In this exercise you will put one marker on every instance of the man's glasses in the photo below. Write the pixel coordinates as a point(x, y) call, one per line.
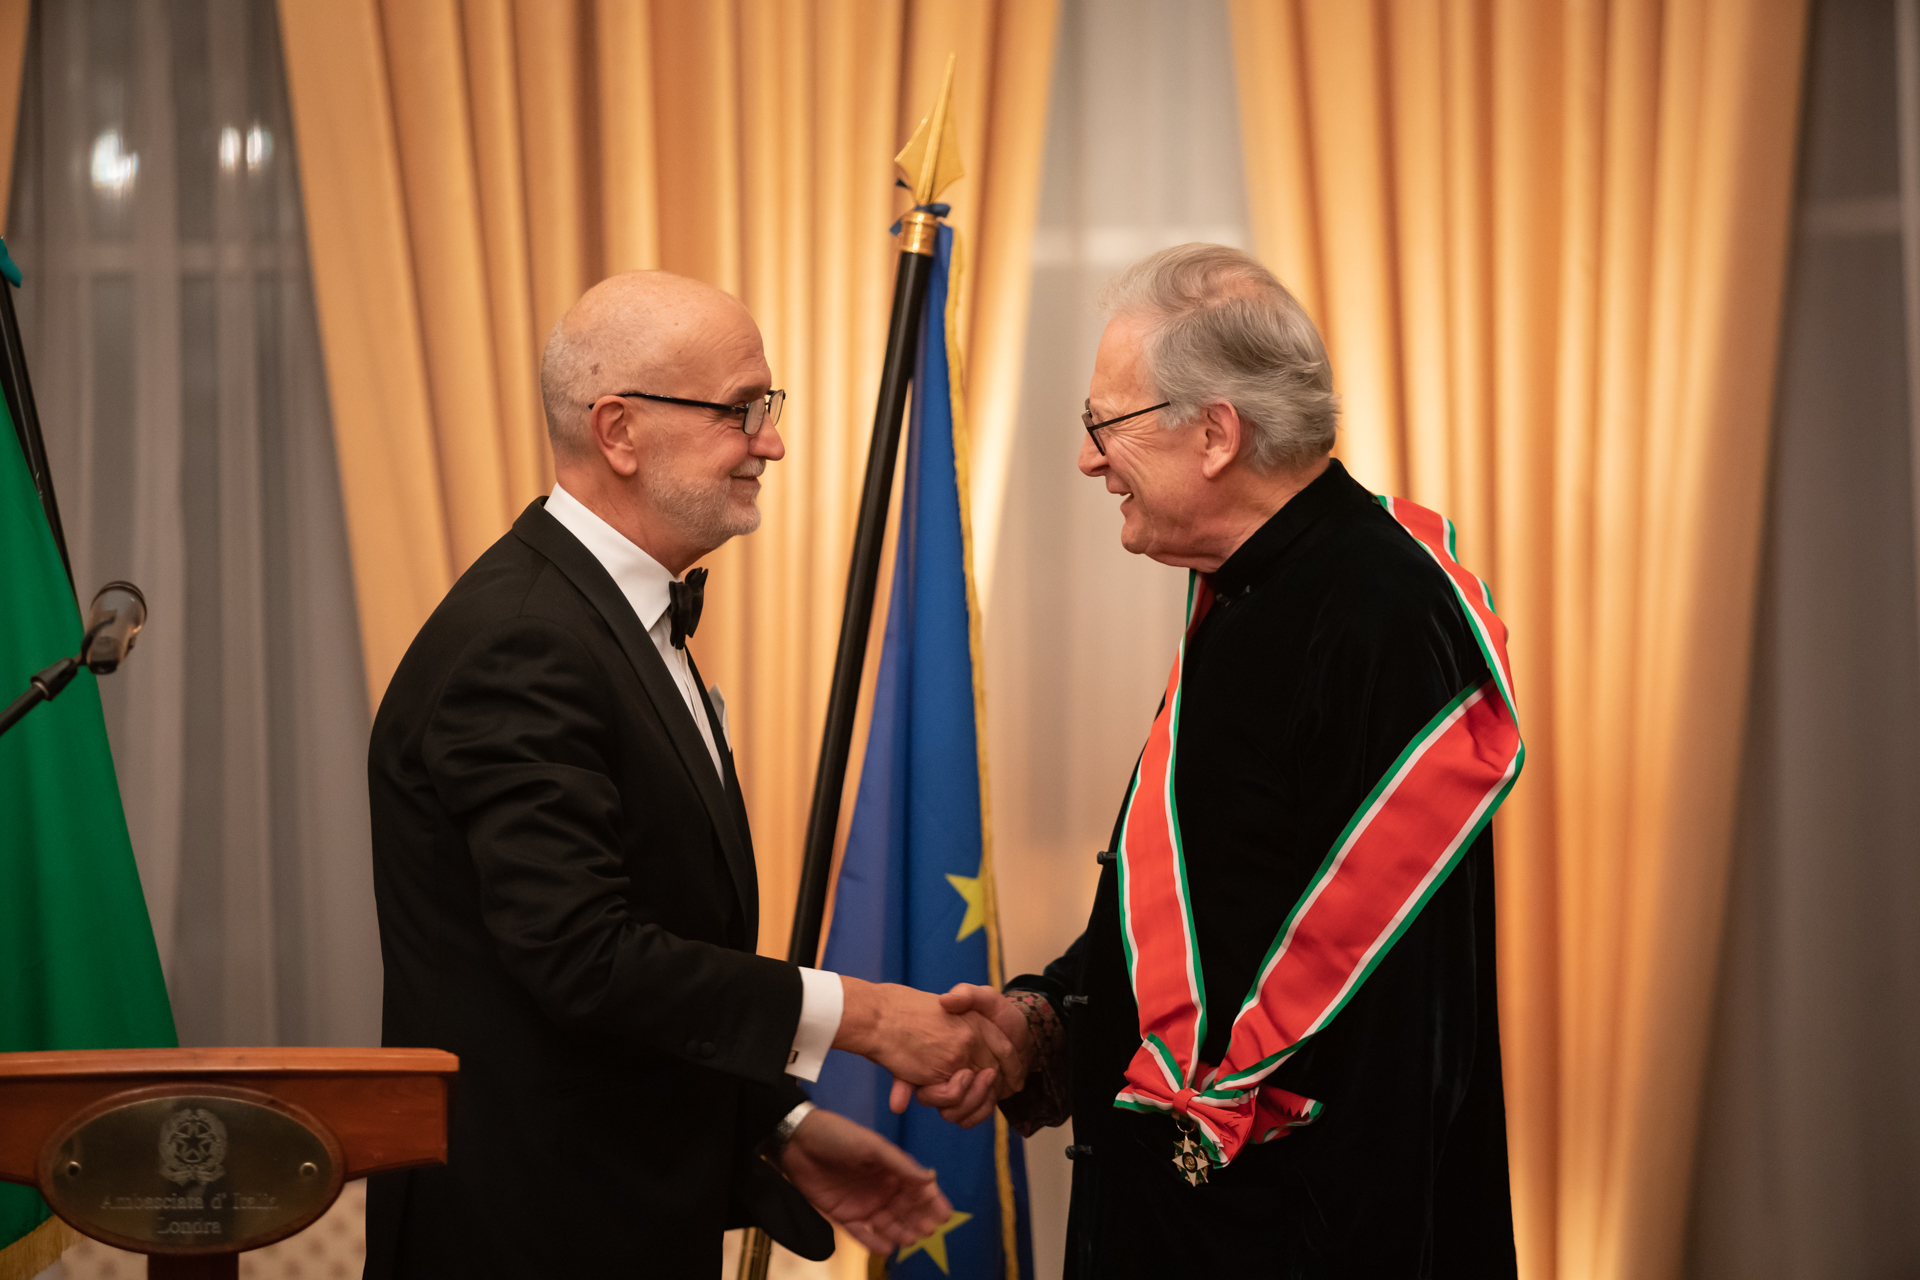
point(1093, 428)
point(753, 415)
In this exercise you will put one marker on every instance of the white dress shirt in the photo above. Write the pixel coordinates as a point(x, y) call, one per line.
point(643, 581)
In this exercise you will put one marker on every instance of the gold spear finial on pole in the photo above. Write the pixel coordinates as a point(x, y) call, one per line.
point(928, 169)
point(930, 163)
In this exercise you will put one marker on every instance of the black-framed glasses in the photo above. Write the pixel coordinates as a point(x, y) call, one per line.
point(754, 414)
point(1086, 420)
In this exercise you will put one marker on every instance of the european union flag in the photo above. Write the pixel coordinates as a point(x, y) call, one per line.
point(915, 897)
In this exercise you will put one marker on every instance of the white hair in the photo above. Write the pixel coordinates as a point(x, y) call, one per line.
point(1222, 327)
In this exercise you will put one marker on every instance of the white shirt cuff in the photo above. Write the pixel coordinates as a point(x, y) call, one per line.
point(822, 1000)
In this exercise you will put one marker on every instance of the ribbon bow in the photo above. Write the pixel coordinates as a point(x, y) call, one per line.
point(684, 601)
point(1225, 1119)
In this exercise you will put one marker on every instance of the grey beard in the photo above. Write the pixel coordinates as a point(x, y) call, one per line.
point(701, 511)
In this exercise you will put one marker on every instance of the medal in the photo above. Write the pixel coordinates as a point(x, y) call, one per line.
point(1188, 1159)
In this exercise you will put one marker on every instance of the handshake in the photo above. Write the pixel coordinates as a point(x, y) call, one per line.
point(960, 1053)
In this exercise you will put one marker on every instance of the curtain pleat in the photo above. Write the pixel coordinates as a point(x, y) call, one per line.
point(370, 322)
point(474, 165)
point(1000, 243)
point(431, 127)
point(1546, 243)
point(13, 59)
point(502, 210)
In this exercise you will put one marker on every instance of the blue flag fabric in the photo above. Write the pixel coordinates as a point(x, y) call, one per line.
point(914, 904)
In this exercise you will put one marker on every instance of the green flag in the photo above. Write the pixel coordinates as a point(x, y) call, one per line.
point(78, 968)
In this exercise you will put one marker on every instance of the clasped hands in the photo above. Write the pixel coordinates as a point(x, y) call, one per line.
point(959, 1053)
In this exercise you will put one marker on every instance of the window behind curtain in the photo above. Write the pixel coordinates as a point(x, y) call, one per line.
point(1809, 1158)
point(170, 330)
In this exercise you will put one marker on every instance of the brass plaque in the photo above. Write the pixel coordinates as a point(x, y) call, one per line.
point(191, 1169)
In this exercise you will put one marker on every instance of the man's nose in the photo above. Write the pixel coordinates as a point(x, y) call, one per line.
point(766, 443)
point(1092, 461)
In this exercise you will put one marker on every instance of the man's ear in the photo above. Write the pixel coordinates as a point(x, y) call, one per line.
point(1224, 431)
point(613, 424)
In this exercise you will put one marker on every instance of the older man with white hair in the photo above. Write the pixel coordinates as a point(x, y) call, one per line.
point(1277, 1038)
point(564, 870)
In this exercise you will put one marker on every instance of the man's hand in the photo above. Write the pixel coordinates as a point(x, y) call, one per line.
point(878, 1192)
point(966, 1098)
point(921, 1041)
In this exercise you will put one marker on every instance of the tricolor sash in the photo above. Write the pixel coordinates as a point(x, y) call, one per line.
point(1397, 849)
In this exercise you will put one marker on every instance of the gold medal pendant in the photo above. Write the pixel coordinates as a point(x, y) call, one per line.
point(1189, 1159)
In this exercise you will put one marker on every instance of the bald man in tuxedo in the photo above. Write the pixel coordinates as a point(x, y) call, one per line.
point(564, 868)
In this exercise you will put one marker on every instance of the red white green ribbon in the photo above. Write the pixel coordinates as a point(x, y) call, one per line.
point(1398, 848)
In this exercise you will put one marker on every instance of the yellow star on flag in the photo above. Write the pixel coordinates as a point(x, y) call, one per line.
point(969, 887)
point(936, 1244)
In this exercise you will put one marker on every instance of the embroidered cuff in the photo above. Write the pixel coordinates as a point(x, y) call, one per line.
point(1046, 1100)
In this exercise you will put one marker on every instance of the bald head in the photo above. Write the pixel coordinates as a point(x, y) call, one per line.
point(640, 331)
point(672, 468)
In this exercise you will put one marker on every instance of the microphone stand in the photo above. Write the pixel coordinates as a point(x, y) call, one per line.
point(44, 687)
point(118, 624)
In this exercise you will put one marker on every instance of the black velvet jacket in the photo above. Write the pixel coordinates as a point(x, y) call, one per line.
point(567, 900)
point(1332, 642)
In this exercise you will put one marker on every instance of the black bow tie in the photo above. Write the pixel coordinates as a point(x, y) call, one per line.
point(685, 599)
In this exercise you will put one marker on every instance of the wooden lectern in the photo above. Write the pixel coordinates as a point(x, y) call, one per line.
point(193, 1156)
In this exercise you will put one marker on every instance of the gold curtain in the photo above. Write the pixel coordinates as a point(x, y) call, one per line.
point(1546, 242)
point(470, 167)
point(14, 16)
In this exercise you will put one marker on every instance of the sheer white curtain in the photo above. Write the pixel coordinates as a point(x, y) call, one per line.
point(1809, 1162)
point(170, 332)
point(1143, 151)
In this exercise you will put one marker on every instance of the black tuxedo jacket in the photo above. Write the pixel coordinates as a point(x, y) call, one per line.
point(568, 902)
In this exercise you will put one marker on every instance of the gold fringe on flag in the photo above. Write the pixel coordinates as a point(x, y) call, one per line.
point(37, 1250)
point(962, 463)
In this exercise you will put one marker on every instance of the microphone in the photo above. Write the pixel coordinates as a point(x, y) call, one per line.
point(113, 623)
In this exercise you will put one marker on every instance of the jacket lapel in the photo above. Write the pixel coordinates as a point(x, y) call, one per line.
point(744, 873)
point(547, 536)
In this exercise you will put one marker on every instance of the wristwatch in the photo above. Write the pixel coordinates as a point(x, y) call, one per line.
point(783, 1132)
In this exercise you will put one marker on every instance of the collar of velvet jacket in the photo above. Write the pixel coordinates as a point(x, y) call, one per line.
point(552, 539)
point(1252, 559)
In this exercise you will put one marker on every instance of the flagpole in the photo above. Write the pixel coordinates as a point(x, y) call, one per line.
point(931, 161)
point(20, 406)
point(863, 578)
